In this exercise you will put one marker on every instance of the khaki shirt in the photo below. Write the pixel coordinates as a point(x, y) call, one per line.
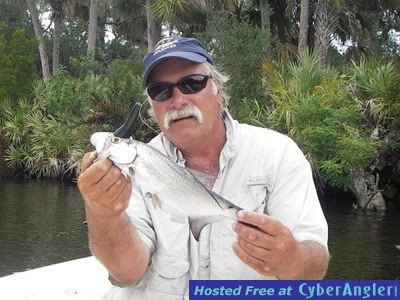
point(260, 170)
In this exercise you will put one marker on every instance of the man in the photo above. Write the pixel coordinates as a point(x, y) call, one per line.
point(280, 234)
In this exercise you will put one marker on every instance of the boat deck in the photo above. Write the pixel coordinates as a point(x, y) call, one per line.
point(80, 279)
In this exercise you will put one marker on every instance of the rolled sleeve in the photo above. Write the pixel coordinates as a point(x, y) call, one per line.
point(140, 217)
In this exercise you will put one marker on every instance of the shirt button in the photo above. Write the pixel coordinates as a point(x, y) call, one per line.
point(205, 265)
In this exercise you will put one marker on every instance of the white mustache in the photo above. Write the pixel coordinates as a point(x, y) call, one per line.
point(191, 111)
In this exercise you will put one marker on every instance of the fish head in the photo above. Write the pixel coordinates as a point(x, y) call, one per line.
point(101, 141)
point(122, 151)
point(119, 150)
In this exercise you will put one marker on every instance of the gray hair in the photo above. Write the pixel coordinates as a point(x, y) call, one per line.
point(218, 79)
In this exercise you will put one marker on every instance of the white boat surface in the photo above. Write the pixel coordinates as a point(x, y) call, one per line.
point(79, 279)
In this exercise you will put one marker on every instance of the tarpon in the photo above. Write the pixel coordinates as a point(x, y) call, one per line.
point(171, 185)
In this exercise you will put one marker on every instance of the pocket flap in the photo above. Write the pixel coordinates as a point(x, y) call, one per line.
point(169, 265)
point(259, 180)
point(259, 187)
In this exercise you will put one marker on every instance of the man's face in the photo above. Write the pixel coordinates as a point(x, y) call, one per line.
point(181, 131)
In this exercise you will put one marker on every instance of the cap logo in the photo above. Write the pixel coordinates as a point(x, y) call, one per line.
point(165, 44)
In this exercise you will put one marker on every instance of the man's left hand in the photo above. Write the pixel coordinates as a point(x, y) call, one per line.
point(267, 246)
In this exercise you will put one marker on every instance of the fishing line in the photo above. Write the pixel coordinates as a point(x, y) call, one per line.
point(145, 122)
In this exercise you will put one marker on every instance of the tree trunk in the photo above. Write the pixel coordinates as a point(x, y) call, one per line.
point(326, 23)
point(56, 40)
point(92, 28)
point(265, 10)
point(365, 188)
point(102, 28)
point(44, 59)
point(153, 28)
point(303, 32)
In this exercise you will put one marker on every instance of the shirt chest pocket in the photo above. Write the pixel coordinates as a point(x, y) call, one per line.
point(167, 274)
point(258, 188)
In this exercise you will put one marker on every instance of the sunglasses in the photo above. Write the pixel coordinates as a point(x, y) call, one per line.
point(191, 84)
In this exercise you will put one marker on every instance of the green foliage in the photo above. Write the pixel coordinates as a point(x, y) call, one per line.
point(14, 117)
point(129, 21)
point(73, 52)
point(254, 113)
point(118, 49)
point(105, 98)
point(73, 41)
point(172, 11)
point(186, 16)
point(39, 144)
point(81, 66)
point(311, 104)
point(13, 14)
point(236, 48)
point(60, 94)
point(17, 63)
point(48, 135)
point(376, 86)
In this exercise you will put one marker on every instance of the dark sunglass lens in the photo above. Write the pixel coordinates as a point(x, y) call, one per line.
point(160, 92)
point(188, 85)
point(193, 84)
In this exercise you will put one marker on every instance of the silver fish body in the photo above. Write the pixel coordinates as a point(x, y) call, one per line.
point(171, 187)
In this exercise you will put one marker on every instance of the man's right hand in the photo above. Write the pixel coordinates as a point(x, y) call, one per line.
point(112, 237)
point(104, 188)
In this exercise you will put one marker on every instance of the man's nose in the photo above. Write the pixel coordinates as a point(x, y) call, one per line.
point(178, 99)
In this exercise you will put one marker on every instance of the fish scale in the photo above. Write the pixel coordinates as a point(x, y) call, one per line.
point(172, 185)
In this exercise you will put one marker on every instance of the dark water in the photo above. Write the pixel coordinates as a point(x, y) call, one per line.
point(41, 223)
point(362, 244)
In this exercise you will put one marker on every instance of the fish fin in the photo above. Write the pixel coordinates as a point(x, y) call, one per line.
point(156, 201)
point(222, 202)
point(131, 171)
point(197, 224)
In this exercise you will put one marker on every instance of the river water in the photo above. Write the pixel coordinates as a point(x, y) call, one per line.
point(42, 222)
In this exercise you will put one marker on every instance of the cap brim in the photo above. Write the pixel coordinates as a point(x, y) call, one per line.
point(190, 56)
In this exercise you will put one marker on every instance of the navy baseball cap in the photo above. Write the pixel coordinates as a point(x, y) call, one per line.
point(175, 47)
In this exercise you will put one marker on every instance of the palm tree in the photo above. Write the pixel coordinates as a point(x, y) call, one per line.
point(153, 27)
point(303, 28)
point(266, 11)
point(33, 11)
point(183, 15)
point(92, 28)
point(367, 23)
point(57, 7)
point(326, 24)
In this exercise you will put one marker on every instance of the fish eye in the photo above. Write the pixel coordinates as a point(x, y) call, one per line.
point(115, 140)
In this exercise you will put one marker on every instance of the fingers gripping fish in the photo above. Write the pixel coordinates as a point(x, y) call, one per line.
point(174, 186)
